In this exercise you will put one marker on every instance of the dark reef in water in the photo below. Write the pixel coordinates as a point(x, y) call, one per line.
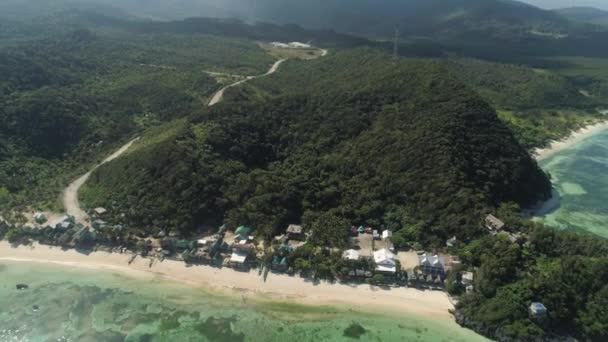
point(355, 330)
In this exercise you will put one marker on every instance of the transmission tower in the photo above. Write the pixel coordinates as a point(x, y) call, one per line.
point(396, 43)
point(253, 11)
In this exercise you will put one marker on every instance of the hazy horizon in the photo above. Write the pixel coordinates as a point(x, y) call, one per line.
point(554, 4)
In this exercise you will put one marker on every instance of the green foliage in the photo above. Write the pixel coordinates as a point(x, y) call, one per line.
point(564, 271)
point(329, 229)
point(453, 285)
point(13, 235)
point(515, 87)
point(538, 127)
point(64, 99)
point(353, 134)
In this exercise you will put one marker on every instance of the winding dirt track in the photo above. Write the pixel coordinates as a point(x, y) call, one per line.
point(70, 194)
point(219, 95)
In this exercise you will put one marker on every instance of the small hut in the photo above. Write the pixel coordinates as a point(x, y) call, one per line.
point(294, 232)
point(538, 311)
point(494, 224)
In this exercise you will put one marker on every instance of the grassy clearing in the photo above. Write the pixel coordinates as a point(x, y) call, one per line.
point(291, 53)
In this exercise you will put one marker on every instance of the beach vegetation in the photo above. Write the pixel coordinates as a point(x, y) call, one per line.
point(13, 235)
point(548, 267)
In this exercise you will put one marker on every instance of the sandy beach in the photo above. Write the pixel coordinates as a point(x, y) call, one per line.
point(575, 137)
point(430, 304)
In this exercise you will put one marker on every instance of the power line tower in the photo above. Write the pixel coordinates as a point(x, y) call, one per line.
point(253, 11)
point(396, 43)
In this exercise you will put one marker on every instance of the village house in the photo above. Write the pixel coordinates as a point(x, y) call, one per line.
point(451, 242)
point(279, 45)
point(298, 45)
point(538, 311)
point(242, 233)
point(66, 222)
point(387, 234)
point(351, 254)
point(99, 224)
point(385, 261)
point(295, 232)
point(100, 211)
point(494, 224)
point(40, 218)
point(467, 278)
point(281, 238)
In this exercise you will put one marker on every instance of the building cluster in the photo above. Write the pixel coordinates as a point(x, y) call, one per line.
point(373, 255)
point(292, 45)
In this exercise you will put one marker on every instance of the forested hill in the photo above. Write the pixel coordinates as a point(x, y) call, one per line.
point(352, 138)
point(585, 14)
point(411, 17)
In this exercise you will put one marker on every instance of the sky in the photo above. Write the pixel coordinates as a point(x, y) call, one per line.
point(602, 4)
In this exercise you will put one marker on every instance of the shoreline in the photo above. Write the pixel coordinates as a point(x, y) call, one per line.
point(577, 136)
point(365, 298)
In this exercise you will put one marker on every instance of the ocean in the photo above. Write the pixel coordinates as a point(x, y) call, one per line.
point(73, 304)
point(580, 178)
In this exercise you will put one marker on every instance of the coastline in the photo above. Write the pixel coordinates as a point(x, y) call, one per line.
point(576, 137)
point(366, 298)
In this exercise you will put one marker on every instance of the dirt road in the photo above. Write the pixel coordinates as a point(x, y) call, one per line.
point(219, 95)
point(70, 194)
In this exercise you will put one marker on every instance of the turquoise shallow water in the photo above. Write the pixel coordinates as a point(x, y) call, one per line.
point(580, 177)
point(67, 304)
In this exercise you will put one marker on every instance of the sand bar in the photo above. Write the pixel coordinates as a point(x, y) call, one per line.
point(575, 137)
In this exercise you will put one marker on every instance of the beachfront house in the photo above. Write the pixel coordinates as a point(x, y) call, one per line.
point(279, 264)
point(493, 224)
point(432, 265)
point(240, 253)
point(351, 254)
point(238, 258)
point(538, 311)
point(295, 232)
point(385, 261)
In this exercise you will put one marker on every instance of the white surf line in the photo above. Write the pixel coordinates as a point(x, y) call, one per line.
point(70, 194)
point(219, 95)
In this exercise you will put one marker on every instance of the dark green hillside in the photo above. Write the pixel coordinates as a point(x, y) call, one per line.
point(539, 105)
point(356, 134)
point(510, 86)
point(70, 99)
point(585, 14)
